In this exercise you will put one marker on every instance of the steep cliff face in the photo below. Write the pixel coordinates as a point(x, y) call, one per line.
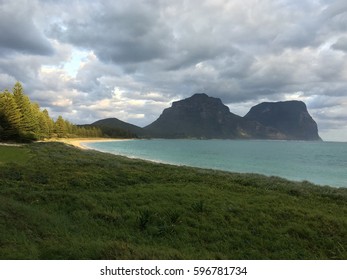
point(290, 118)
point(201, 116)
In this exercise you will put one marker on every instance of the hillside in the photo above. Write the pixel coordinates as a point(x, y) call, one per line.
point(59, 202)
point(114, 127)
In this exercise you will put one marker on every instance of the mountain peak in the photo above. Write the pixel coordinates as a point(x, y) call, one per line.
point(198, 116)
point(202, 101)
point(199, 95)
point(289, 117)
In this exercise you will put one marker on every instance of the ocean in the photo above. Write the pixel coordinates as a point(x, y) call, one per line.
point(322, 163)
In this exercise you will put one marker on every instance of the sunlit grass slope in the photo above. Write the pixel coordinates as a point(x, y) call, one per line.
point(65, 203)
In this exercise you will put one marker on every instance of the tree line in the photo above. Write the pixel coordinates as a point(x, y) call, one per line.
point(23, 120)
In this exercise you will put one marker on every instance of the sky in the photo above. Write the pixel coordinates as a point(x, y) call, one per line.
point(89, 60)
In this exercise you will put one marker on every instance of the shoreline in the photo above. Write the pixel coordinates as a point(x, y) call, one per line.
point(78, 142)
point(81, 143)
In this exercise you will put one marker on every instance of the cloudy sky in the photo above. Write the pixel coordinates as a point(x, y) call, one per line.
point(129, 59)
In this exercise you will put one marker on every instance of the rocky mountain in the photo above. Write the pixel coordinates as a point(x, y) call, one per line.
point(201, 116)
point(204, 117)
point(290, 118)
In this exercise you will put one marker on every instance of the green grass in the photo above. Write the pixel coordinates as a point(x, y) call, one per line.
point(13, 154)
point(72, 204)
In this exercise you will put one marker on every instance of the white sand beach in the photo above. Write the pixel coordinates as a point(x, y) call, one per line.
point(78, 142)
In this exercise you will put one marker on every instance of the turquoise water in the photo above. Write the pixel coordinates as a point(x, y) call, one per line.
point(323, 163)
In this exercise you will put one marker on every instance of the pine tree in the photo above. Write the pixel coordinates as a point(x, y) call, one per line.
point(60, 127)
point(28, 123)
point(49, 124)
point(20, 119)
point(9, 116)
point(36, 113)
point(69, 128)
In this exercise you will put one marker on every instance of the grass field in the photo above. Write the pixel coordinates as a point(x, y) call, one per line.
point(66, 203)
point(14, 154)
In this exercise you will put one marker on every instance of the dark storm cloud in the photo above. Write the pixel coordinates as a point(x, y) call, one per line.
point(22, 68)
point(122, 32)
point(341, 44)
point(18, 31)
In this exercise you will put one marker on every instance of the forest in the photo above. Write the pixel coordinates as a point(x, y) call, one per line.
point(23, 121)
